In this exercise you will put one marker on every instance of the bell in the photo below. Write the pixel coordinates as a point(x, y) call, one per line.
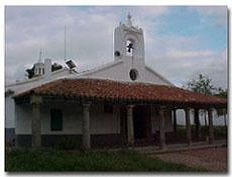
point(129, 47)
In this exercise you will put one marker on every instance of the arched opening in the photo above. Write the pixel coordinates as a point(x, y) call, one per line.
point(129, 47)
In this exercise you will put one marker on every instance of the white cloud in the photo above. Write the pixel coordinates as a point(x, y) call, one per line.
point(177, 53)
point(179, 59)
point(85, 33)
point(216, 69)
point(90, 40)
point(180, 70)
point(30, 28)
point(219, 13)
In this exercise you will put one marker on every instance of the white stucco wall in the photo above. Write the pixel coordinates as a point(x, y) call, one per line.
point(9, 112)
point(23, 86)
point(113, 72)
point(119, 71)
point(100, 122)
point(23, 116)
point(153, 78)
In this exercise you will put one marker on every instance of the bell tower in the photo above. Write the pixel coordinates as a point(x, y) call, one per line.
point(129, 43)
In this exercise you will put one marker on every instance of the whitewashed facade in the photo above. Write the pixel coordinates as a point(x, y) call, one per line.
point(22, 86)
point(101, 122)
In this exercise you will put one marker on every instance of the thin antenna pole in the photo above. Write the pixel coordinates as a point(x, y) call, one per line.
point(40, 55)
point(65, 43)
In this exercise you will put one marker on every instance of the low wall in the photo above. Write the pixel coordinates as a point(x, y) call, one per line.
point(97, 141)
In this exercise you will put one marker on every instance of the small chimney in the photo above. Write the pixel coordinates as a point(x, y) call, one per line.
point(48, 67)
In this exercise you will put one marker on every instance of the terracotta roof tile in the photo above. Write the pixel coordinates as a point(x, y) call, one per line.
point(122, 90)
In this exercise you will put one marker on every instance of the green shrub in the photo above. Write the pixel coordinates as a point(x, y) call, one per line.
point(58, 160)
point(220, 132)
point(69, 143)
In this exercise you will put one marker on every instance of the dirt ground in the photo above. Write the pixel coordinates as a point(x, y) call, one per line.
point(212, 159)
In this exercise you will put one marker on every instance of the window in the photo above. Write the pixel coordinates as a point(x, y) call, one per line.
point(117, 53)
point(56, 120)
point(133, 74)
point(108, 108)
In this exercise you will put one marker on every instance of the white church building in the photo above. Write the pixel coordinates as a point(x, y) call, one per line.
point(121, 103)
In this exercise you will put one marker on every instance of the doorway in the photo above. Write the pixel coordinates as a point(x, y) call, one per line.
point(142, 122)
point(123, 124)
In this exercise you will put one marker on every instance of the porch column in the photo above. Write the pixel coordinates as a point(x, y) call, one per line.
point(211, 131)
point(130, 125)
point(197, 123)
point(86, 127)
point(162, 129)
point(174, 120)
point(188, 126)
point(36, 122)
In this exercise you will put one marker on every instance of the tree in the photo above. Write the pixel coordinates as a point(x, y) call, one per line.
point(221, 93)
point(202, 85)
point(30, 72)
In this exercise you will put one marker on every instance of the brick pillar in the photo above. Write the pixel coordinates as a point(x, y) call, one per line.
point(162, 129)
point(36, 122)
point(188, 126)
point(211, 131)
point(130, 125)
point(86, 127)
point(174, 120)
point(197, 123)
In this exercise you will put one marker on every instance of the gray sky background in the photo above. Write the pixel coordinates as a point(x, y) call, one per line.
point(180, 42)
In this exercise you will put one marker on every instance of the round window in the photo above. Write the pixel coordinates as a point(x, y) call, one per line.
point(133, 74)
point(117, 53)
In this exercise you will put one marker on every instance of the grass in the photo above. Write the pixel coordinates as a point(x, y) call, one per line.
point(54, 160)
point(220, 132)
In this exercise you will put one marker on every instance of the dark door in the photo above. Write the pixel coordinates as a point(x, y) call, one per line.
point(142, 122)
point(123, 124)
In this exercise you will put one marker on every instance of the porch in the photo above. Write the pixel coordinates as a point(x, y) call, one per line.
point(137, 104)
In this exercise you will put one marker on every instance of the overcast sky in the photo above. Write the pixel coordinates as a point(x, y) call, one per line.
point(180, 42)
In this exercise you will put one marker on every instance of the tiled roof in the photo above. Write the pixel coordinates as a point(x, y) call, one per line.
point(115, 90)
